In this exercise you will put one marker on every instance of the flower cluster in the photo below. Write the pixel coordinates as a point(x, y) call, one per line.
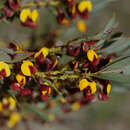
point(12, 9)
point(83, 8)
point(8, 110)
point(41, 77)
point(16, 9)
point(68, 76)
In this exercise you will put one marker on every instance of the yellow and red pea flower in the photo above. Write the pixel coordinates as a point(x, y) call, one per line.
point(4, 70)
point(84, 8)
point(20, 82)
point(104, 92)
point(41, 55)
point(8, 109)
point(88, 87)
point(29, 18)
point(45, 91)
point(21, 79)
point(19, 85)
point(7, 103)
point(71, 9)
point(28, 68)
point(93, 57)
point(14, 46)
point(61, 17)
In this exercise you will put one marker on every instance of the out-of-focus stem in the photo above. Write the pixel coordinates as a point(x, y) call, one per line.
point(35, 4)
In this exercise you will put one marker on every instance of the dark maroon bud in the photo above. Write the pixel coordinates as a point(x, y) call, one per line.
point(24, 92)
point(44, 97)
point(95, 62)
point(85, 65)
point(76, 65)
point(91, 42)
point(8, 12)
point(84, 47)
point(16, 87)
point(73, 51)
point(14, 4)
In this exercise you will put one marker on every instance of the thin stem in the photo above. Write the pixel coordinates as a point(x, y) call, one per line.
point(36, 4)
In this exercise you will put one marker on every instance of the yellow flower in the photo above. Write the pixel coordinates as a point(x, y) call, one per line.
point(5, 67)
point(52, 103)
point(91, 55)
point(65, 21)
point(14, 119)
point(44, 92)
point(63, 100)
point(46, 84)
point(25, 67)
point(21, 78)
point(5, 101)
point(83, 84)
point(35, 15)
point(92, 86)
point(75, 106)
point(12, 103)
point(51, 117)
point(44, 52)
point(110, 60)
point(108, 88)
point(83, 5)
point(81, 26)
point(1, 107)
point(27, 14)
point(47, 90)
point(74, 9)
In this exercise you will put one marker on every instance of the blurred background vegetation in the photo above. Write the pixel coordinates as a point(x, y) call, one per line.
point(108, 115)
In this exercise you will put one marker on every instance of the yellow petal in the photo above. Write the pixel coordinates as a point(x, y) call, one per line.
point(81, 26)
point(25, 67)
point(108, 88)
point(12, 103)
point(75, 106)
point(14, 118)
point(25, 13)
point(1, 107)
point(65, 21)
point(21, 78)
point(91, 54)
point(93, 87)
point(83, 5)
point(74, 9)
point(43, 50)
point(35, 15)
point(51, 117)
point(49, 91)
point(63, 100)
point(5, 66)
point(44, 92)
point(83, 84)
